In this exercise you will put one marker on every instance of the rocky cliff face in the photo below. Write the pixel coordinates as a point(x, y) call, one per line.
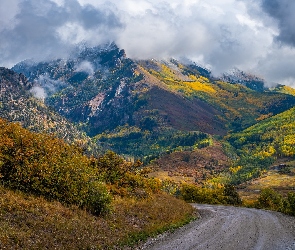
point(101, 89)
point(94, 87)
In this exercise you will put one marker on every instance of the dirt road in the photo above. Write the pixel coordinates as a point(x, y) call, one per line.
point(231, 228)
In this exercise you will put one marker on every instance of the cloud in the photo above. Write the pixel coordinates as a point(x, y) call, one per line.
point(283, 12)
point(44, 86)
point(43, 29)
point(221, 33)
point(276, 59)
point(39, 92)
point(256, 36)
point(86, 67)
point(8, 11)
point(278, 66)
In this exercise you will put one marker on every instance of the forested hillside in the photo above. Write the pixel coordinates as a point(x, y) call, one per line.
point(142, 109)
point(273, 137)
point(236, 105)
point(260, 145)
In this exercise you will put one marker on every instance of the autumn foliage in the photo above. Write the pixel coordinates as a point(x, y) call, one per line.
point(270, 199)
point(220, 194)
point(43, 165)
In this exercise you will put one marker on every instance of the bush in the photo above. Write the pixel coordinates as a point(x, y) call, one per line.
point(270, 199)
point(135, 185)
point(124, 178)
point(190, 193)
point(111, 167)
point(231, 195)
point(98, 199)
point(216, 195)
point(290, 204)
point(43, 165)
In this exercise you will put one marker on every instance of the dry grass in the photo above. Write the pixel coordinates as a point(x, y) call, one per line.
point(282, 183)
point(274, 180)
point(28, 222)
point(165, 175)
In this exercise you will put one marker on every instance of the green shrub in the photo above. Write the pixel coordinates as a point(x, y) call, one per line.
point(215, 195)
point(231, 195)
point(190, 193)
point(111, 167)
point(290, 204)
point(124, 178)
point(270, 199)
point(43, 165)
point(98, 200)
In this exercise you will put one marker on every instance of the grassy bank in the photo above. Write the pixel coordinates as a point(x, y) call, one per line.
point(28, 222)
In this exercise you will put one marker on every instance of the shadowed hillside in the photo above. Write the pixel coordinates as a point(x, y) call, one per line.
point(17, 104)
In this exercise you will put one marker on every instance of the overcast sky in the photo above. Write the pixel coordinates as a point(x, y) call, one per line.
point(253, 35)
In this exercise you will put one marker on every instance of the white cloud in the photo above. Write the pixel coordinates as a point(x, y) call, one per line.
point(85, 66)
point(8, 11)
point(38, 92)
point(278, 66)
point(221, 34)
point(73, 33)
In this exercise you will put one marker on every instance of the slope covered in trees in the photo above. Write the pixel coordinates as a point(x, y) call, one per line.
point(261, 144)
point(43, 165)
point(239, 106)
point(53, 196)
point(274, 136)
point(137, 103)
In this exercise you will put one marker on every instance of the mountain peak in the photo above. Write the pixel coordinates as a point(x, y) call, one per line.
point(236, 76)
point(8, 77)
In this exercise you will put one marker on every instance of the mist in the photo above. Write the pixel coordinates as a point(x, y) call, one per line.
point(254, 36)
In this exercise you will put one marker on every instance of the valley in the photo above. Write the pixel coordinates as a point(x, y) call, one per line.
point(148, 124)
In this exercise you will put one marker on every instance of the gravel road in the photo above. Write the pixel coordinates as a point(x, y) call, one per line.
point(230, 228)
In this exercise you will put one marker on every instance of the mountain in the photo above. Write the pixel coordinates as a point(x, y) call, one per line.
point(17, 104)
point(142, 108)
point(88, 88)
point(237, 105)
point(251, 81)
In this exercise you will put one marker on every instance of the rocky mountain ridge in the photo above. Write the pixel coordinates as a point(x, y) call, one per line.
point(130, 106)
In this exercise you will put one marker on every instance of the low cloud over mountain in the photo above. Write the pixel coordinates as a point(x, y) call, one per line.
point(256, 36)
